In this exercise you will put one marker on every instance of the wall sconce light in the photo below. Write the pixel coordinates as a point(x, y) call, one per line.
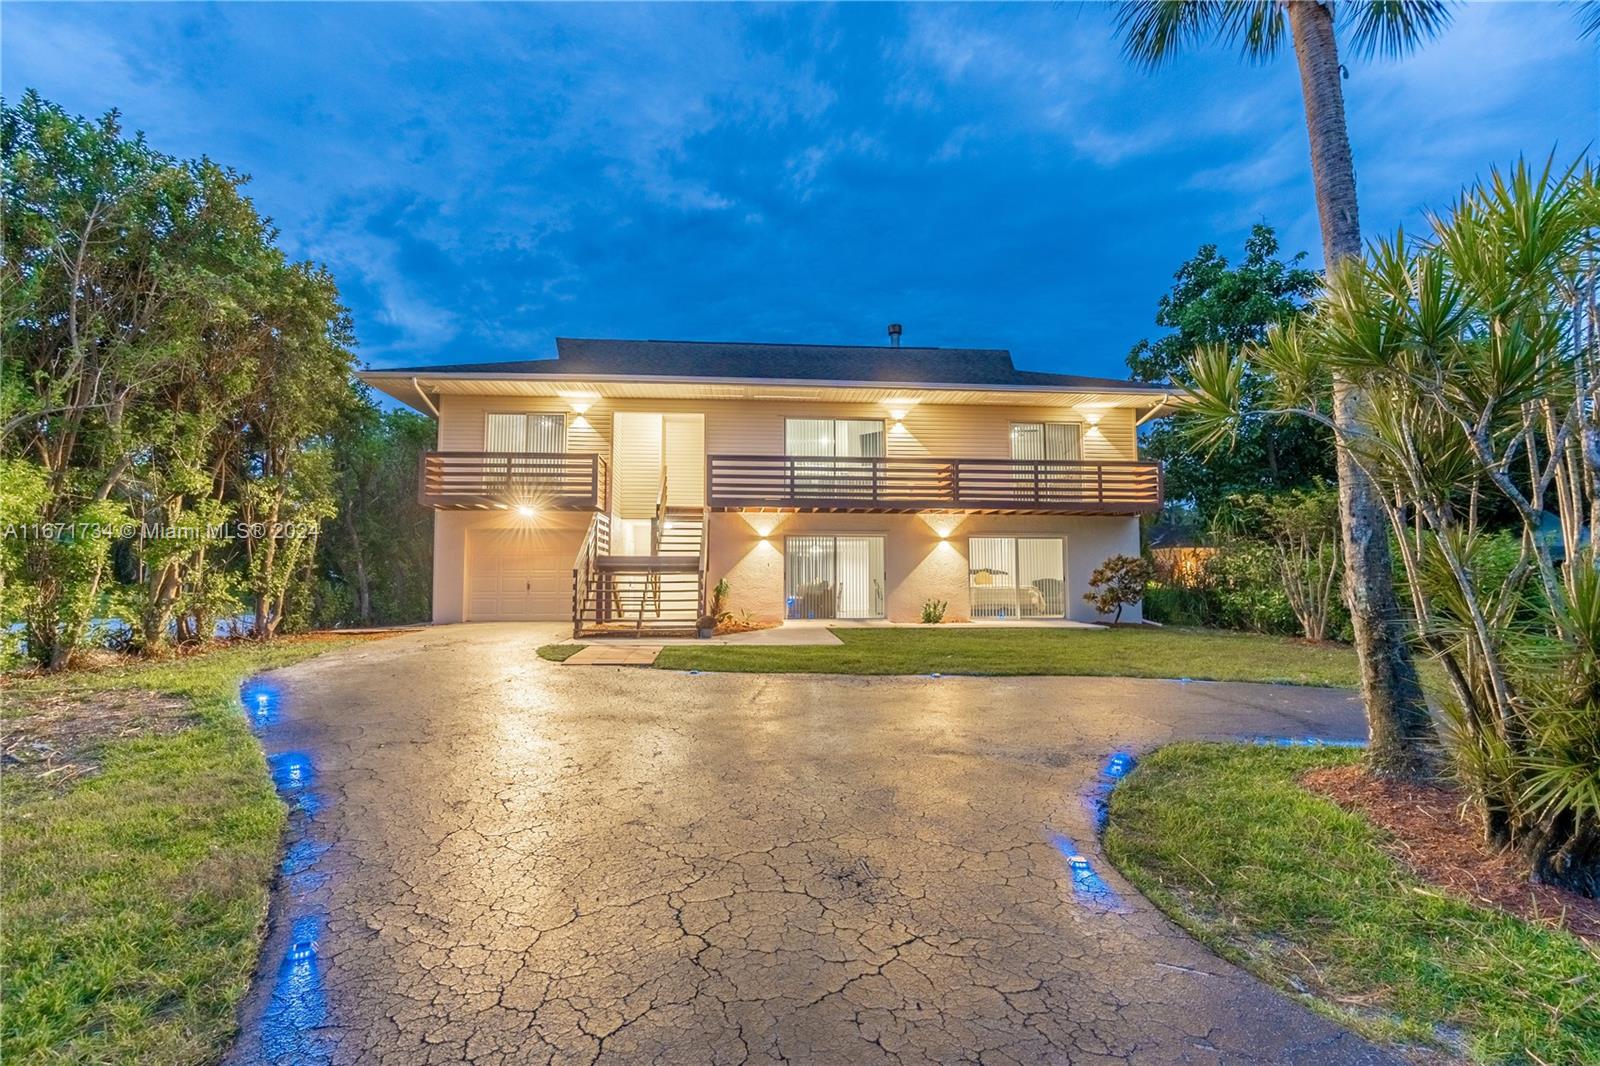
point(763, 522)
point(526, 510)
point(580, 406)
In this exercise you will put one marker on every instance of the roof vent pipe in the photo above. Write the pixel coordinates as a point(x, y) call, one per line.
point(894, 334)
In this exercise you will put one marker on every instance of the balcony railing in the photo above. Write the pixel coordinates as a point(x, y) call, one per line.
point(1000, 486)
point(575, 481)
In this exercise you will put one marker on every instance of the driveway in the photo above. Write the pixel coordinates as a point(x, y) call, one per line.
point(500, 860)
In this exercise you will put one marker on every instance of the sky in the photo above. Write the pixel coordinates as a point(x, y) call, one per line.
point(482, 179)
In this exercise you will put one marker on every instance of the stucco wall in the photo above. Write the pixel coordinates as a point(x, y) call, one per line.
point(560, 533)
point(917, 564)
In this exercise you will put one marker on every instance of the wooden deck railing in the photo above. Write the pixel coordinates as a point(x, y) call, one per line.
point(568, 481)
point(1034, 486)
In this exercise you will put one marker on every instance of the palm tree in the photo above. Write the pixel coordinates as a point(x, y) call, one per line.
point(1152, 31)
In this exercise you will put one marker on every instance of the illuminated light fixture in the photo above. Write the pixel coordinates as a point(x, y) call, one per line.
point(763, 522)
point(943, 524)
point(580, 406)
point(526, 510)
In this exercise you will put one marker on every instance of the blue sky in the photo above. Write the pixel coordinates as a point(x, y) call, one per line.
point(482, 179)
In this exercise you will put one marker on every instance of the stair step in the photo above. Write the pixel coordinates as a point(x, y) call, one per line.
point(649, 564)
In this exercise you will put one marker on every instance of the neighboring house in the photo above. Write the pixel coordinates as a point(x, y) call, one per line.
point(616, 484)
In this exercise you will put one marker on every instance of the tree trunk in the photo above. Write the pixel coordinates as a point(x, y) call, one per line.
point(363, 583)
point(1401, 731)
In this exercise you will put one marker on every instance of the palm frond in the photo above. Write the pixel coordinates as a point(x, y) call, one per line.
point(1588, 18)
point(1212, 419)
point(1153, 31)
point(1392, 29)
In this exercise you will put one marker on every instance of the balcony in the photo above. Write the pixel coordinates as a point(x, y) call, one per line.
point(563, 481)
point(910, 485)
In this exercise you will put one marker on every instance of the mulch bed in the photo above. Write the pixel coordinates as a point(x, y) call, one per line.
point(1435, 835)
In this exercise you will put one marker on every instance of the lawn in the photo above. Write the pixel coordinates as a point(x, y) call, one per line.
point(135, 879)
point(1144, 651)
point(1296, 890)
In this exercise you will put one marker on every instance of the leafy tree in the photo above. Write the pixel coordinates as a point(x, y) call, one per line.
point(1478, 347)
point(165, 369)
point(1398, 723)
point(1215, 302)
point(1302, 529)
point(1117, 583)
point(376, 561)
point(111, 253)
point(286, 471)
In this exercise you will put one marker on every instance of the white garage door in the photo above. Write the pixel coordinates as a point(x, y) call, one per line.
point(511, 579)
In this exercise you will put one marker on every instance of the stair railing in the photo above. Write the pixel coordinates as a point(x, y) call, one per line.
point(705, 541)
point(657, 528)
point(595, 542)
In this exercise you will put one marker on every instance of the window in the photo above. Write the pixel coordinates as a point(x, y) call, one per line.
point(840, 437)
point(1017, 577)
point(525, 433)
point(833, 577)
point(836, 456)
point(1044, 440)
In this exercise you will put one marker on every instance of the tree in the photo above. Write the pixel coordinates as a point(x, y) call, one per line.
point(1302, 528)
point(1399, 727)
point(286, 475)
point(164, 369)
point(376, 561)
point(112, 254)
point(1214, 302)
point(1478, 347)
point(1117, 583)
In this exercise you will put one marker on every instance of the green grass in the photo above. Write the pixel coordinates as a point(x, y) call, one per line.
point(1209, 654)
point(559, 653)
point(1287, 884)
point(134, 899)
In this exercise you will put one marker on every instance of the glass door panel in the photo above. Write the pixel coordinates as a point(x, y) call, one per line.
point(1016, 577)
point(833, 577)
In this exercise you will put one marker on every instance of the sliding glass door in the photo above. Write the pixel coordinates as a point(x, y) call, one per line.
point(1017, 577)
point(837, 455)
point(833, 577)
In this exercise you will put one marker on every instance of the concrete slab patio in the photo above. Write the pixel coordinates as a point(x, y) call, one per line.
point(613, 655)
point(499, 860)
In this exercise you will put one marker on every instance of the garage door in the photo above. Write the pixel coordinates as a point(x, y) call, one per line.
point(510, 579)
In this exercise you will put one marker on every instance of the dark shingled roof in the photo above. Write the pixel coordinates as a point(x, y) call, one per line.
point(777, 362)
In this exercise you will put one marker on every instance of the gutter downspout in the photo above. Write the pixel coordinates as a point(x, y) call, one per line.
point(424, 397)
point(1165, 399)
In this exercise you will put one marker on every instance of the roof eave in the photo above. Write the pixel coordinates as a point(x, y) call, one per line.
point(1132, 389)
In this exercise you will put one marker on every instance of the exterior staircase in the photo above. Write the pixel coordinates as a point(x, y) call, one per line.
point(660, 594)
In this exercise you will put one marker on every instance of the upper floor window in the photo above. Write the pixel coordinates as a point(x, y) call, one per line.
point(850, 437)
point(1045, 440)
point(525, 433)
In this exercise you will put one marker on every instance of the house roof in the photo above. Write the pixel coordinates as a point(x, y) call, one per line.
point(737, 361)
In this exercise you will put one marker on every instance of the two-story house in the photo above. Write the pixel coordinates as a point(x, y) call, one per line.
point(616, 484)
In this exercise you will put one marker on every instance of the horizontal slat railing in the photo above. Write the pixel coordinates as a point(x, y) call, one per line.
point(922, 484)
point(561, 480)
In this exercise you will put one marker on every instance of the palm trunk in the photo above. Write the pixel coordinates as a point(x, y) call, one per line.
point(1401, 731)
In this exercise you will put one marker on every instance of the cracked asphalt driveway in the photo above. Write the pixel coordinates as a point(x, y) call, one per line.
point(503, 860)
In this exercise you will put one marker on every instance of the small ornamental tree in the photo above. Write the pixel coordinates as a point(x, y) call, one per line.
point(1118, 582)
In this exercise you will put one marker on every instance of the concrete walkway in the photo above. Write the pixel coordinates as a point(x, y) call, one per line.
point(499, 860)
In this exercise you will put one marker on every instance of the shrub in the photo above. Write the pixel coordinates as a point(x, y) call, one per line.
point(1117, 583)
point(933, 611)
